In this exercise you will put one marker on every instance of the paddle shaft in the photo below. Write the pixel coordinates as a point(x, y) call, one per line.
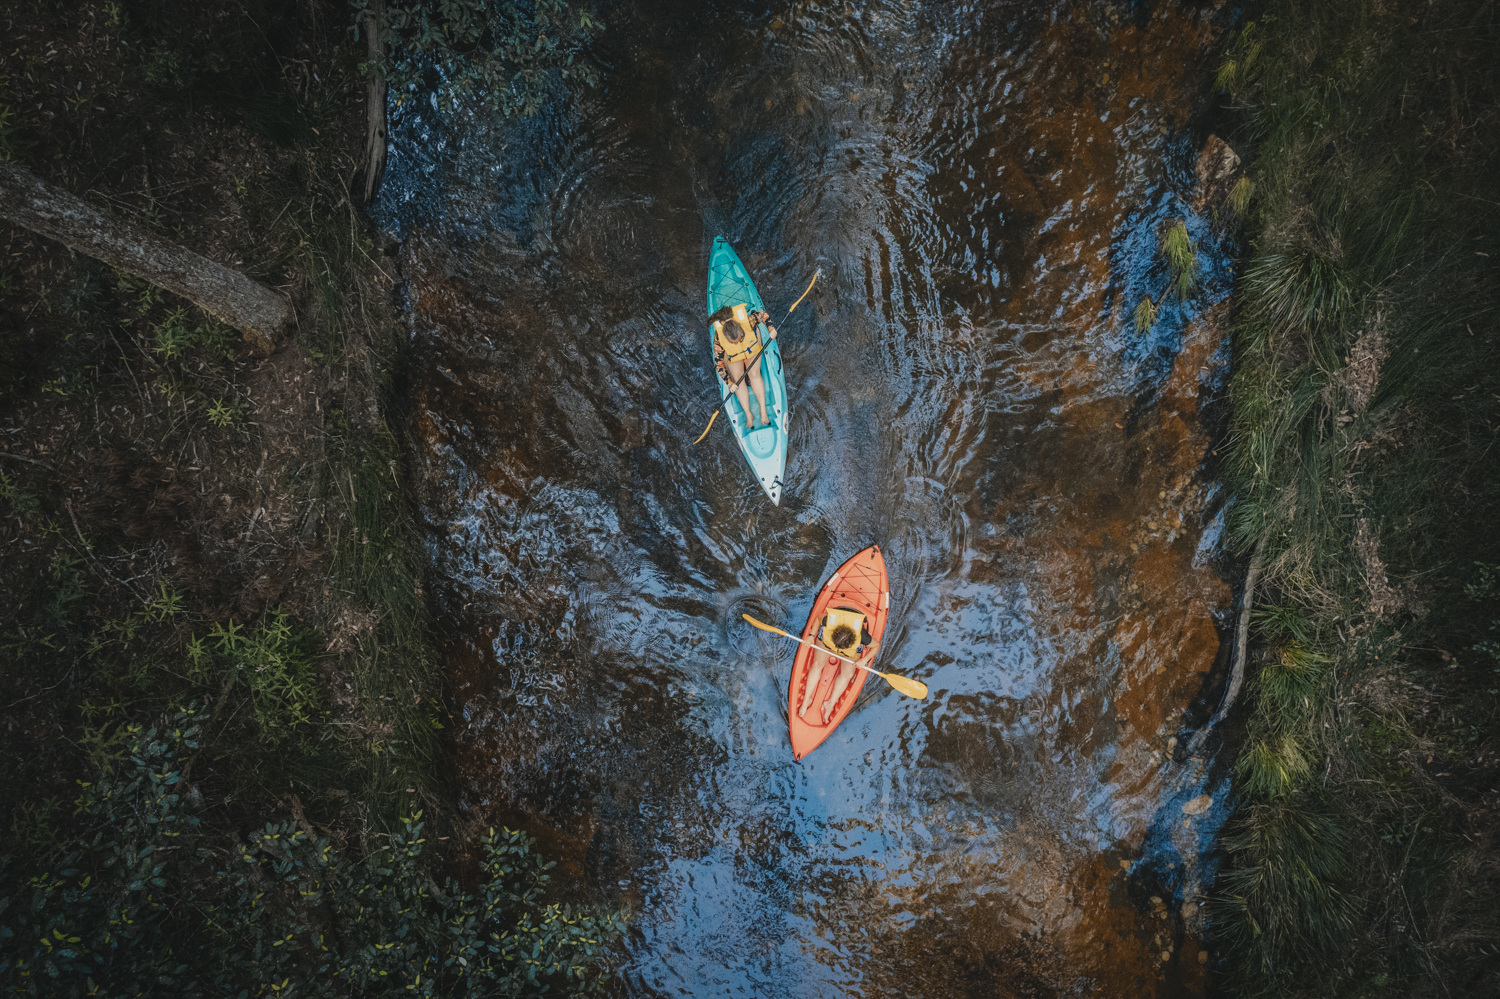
point(803, 641)
point(904, 684)
point(724, 402)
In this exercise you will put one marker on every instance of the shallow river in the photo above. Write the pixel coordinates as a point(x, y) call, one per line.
point(982, 186)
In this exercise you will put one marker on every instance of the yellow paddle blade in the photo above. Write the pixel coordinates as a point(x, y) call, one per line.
point(907, 686)
point(804, 294)
point(766, 627)
point(710, 426)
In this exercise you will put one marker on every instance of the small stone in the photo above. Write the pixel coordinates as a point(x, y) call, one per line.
point(1198, 805)
point(1124, 865)
point(1150, 523)
point(1189, 910)
point(1166, 955)
point(1156, 900)
point(1162, 494)
point(1203, 957)
point(1172, 743)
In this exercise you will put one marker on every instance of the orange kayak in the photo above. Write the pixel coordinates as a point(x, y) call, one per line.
point(860, 585)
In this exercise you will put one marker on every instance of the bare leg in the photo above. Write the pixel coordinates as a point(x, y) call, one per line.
point(846, 676)
point(736, 372)
point(759, 388)
point(813, 676)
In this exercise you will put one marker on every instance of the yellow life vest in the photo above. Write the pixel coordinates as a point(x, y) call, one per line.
point(838, 616)
point(748, 343)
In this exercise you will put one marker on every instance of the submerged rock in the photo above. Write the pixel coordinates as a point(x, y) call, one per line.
point(1198, 805)
point(1216, 170)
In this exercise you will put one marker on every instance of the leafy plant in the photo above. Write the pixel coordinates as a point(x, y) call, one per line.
point(272, 663)
point(220, 414)
point(23, 504)
point(142, 905)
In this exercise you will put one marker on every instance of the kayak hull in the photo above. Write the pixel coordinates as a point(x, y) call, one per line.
point(764, 448)
point(861, 584)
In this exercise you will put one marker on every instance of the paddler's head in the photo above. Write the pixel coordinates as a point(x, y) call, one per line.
point(844, 639)
point(731, 331)
point(742, 320)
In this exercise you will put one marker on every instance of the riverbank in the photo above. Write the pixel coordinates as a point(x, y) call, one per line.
point(1363, 857)
point(215, 625)
point(165, 482)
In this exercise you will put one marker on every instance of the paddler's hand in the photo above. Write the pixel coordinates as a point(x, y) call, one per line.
point(770, 331)
point(869, 656)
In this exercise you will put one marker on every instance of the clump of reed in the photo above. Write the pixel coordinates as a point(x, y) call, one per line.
point(1181, 254)
point(1367, 471)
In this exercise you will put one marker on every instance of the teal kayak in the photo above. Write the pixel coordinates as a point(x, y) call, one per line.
point(764, 447)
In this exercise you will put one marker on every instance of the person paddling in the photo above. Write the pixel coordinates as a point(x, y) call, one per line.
point(842, 632)
point(736, 345)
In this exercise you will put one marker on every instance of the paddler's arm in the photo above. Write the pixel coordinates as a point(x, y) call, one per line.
point(764, 318)
point(870, 654)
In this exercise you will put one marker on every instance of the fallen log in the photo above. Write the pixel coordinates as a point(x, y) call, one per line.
point(261, 314)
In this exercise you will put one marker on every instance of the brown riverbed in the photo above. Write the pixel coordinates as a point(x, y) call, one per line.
point(983, 187)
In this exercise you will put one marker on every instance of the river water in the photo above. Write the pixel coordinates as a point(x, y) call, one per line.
point(982, 187)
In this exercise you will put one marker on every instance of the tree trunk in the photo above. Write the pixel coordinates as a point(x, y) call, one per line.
point(375, 137)
point(259, 313)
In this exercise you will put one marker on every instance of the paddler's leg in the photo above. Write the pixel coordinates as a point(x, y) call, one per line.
point(813, 676)
point(846, 677)
point(736, 371)
point(759, 387)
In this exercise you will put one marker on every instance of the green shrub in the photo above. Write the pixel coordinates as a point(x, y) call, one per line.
point(141, 906)
point(271, 662)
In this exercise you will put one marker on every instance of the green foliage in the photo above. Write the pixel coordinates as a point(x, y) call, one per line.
point(1361, 465)
point(104, 913)
point(23, 504)
point(272, 664)
point(1240, 195)
point(1281, 899)
point(1182, 259)
point(1485, 589)
point(167, 68)
point(141, 906)
point(220, 414)
point(496, 53)
point(174, 336)
point(1145, 315)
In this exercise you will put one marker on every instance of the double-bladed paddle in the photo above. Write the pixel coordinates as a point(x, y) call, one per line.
point(905, 684)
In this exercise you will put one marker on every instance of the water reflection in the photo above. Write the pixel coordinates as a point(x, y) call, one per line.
point(982, 186)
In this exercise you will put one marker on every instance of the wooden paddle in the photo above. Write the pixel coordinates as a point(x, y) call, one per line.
point(905, 684)
point(756, 358)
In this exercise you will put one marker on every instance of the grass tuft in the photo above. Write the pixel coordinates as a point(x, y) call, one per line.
point(1182, 258)
point(1240, 195)
point(1145, 316)
point(1365, 391)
